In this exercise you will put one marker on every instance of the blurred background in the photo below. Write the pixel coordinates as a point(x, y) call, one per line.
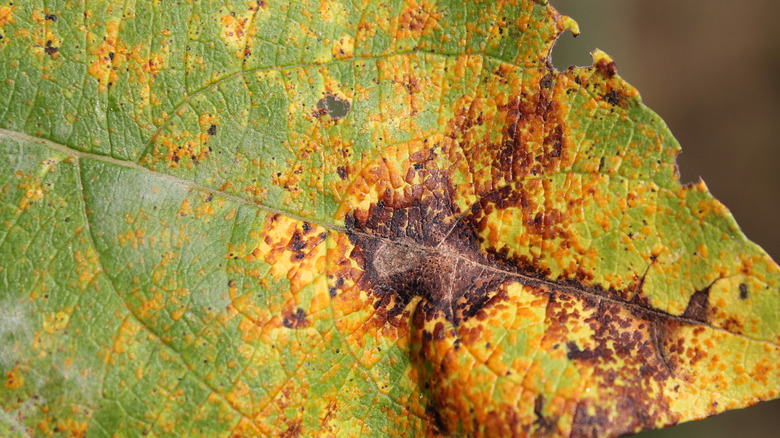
point(711, 70)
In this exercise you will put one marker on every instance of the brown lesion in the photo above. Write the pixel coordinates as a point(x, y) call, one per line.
point(417, 18)
point(429, 270)
point(294, 320)
point(698, 306)
point(603, 83)
point(425, 269)
point(423, 253)
point(533, 127)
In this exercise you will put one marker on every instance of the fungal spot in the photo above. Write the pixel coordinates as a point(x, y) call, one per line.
point(573, 352)
point(439, 270)
point(615, 98)
point(547, 80)
point(606, 68)
point(544, 424)
point(296, 242)
point(49, 49)
point(212, 130)
point(420, 253)
point(295, 320)
point(392, 258)
point(333, 106)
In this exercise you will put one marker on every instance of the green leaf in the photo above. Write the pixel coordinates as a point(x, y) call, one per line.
point(353, 218)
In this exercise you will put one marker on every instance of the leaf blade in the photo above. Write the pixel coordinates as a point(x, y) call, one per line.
point(230, 274)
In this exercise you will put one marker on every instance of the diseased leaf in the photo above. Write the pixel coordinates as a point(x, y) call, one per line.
point(353, 218)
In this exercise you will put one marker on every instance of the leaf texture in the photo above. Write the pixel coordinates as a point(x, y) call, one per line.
point(353, 218)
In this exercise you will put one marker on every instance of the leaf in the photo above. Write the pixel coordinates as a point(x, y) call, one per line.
point(354, 218)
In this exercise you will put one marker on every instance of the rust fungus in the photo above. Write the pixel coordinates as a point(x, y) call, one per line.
point(51, 50)
point(606, 68)
point(414, 225)
point(295, 320)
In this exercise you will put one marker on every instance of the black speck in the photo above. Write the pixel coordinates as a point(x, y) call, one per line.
point(614, 98)
point(49, 49)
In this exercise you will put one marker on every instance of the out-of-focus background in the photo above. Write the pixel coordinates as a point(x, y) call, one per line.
point(712, 71)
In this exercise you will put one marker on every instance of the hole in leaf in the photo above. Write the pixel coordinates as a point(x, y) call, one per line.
point(335, 107)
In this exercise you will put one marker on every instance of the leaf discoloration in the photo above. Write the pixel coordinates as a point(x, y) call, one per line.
point(292, 218)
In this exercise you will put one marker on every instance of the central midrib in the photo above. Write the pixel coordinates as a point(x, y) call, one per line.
point(522, 278)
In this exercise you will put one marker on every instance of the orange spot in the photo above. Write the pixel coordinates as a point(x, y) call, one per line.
point(14, 378)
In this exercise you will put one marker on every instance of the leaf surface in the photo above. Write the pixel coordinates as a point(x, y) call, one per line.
point(353, 218)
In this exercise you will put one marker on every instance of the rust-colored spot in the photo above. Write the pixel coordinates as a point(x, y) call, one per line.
point(615, 98)
point(50, 50)
point(606, 68)
point(295, 320)
point(14, 378)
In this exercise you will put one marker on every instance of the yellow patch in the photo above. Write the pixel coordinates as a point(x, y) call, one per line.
point(6, 15)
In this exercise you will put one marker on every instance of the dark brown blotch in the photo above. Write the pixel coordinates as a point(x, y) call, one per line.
point(422, 250)
point(698, 304)
point(49, 49)
point(615, 98)
point(295, 320)
point(517, 153)
point(544, 425)
point(606, 68)
point(296, 242)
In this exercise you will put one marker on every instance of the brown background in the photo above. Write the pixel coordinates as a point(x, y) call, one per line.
point(711, 70)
